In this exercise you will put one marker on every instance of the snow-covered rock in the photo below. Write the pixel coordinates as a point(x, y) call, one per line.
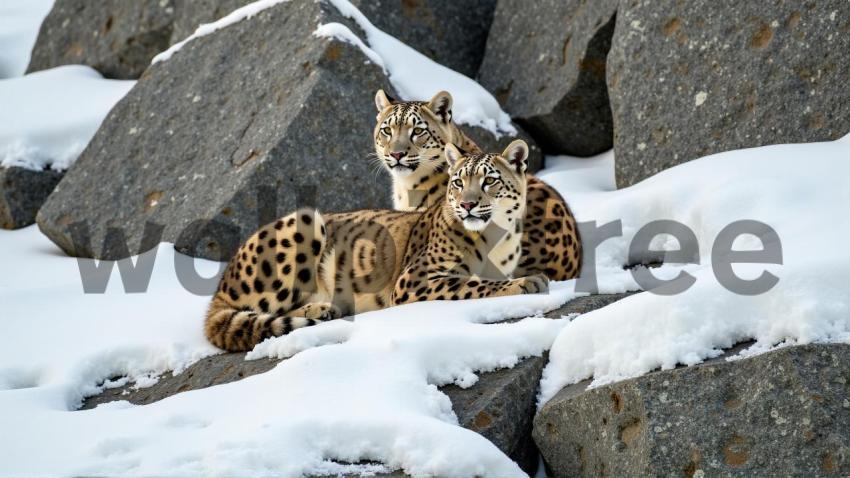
point(781, 413)
point(268, 109)
point(119, 38)
point(48, 117)
point(500, 405)
point(116, 37)
point(720, 198)
point(690, 79)
point(46, 120)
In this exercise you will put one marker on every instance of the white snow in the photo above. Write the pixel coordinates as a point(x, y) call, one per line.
point(352, 391)
point(413, 75)
point(60, 342)
point(19, 24)
point(48, 117)
point(798, 189)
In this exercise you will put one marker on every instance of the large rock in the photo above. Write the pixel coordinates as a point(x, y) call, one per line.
point(450, 32)
point(234, 130)
point(500, 406)
point(783, 413)
point(115, 37)
point(119, 37)
point(688, 79)
point(545, 63)
point(22, 192)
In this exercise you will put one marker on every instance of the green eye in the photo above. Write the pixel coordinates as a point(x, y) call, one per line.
point(458, 183)
point(387, 131)
point(418, 131)
point(489, 181)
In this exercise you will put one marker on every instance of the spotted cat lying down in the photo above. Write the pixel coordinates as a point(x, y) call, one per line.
point(309, 267)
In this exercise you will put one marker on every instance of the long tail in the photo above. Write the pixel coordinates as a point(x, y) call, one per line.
point(238, 330)
point(267, 288)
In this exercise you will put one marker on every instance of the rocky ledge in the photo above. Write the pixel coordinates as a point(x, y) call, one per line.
point(783, 413)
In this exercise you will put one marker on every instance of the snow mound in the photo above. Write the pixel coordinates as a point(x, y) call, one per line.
point(20, 21)
point(797, 189)
point(352, 391)
point(48, 117)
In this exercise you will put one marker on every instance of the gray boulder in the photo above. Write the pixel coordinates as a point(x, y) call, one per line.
point(22, 192)
point(545, 63)
point(189, 14)
point(783, 413)
point(500, 407)
point(119, 38)
point(450, 32)
point(688, 79)
point(115, 37)
point(236, 129)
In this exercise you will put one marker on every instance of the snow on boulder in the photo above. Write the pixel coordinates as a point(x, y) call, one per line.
point(119, 38)
point(46, 121)
point(450, 32)
point(251, 117)
point(781, 413)
point(695, 78)
point(545, 62)
point(785, 205)
point(116, 37)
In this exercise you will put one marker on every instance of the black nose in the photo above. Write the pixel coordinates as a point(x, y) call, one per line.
point(398, 155)
point(468, 205)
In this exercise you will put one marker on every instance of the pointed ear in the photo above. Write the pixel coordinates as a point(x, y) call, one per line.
point(516, 154)
point(441, 105)
point(382, 100)
point(453, 155)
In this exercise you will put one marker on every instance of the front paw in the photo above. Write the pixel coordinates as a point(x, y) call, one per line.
point(535, 284)
point(322, 311)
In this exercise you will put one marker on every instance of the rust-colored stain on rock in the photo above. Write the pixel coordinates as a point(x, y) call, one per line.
point(762, 37)
point(75, 49)
point(630, 432)
point(616, 402)
point(482, 420)
point(828, 463)
point(671, 27)
point(794, 19)
point(334, 51)
point(736, 451)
